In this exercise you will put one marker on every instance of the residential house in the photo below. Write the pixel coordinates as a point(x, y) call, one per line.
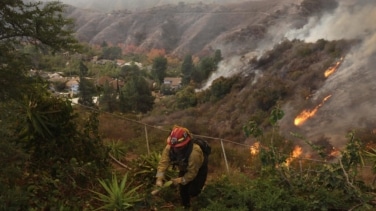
point(139, 65)
point(73, 85)
point(55, 76)
point(174, 83)
point(120, 62)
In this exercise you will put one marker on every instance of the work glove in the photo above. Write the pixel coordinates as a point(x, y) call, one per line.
point(179, 180)
point(159, 182)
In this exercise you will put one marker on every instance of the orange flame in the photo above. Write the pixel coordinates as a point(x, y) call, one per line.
point(306, 114)
point(255, 148)
point(295, 154)
point(332, 69)
point(334, 153)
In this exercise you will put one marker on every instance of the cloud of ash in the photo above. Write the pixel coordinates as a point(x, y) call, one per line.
point(353, 85)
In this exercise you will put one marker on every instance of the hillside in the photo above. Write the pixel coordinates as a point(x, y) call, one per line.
point(245, 32)
point(100, 5)
point(182, 28)
point(288, 75)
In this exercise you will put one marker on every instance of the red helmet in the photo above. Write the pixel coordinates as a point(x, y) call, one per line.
point(179, 137)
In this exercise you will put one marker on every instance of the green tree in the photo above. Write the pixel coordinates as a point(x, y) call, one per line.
point(220, 87)
point(111, 53)
point(187, 69)
point(205, 68)
point(136, 95)
point(107, 100)
point(86, 88)
point(217, 57)
point(186, 98)
point(197, 76)
point(159, 69)
point(104, 44)
point(49, 157)
point(22, 23)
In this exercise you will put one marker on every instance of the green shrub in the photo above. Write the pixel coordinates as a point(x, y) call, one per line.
point(117, 196)
point(144, 168)
point(221, 87)
point(117, 149)
point(225, 194)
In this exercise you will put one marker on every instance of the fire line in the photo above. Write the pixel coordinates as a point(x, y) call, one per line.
point(331, 70)
point(295, 154)
point(306, 114)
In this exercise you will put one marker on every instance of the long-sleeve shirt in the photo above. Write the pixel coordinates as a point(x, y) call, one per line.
point(195, 161)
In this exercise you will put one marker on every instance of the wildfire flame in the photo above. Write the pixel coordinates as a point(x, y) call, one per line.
point(334, 152)
point(332, 69)
point(306, 114)
point(255, 148)
point(295, 154)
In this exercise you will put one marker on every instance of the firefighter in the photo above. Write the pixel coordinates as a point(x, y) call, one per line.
point(187, 156)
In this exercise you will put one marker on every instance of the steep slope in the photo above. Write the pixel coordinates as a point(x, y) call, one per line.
point(244, 32)
point(287, 75)
point(336, 103)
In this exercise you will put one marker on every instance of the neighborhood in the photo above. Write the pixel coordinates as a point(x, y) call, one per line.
point(68, 86)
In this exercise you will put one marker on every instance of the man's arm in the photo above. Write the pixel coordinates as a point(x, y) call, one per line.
point(163, 164)
point(195, 161)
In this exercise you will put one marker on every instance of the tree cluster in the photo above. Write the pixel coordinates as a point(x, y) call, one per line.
point(49, 152)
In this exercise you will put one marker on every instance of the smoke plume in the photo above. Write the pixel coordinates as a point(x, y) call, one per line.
point(352, 86)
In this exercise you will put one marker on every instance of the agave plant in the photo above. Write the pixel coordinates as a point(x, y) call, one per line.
point(117, 149)
point(119, 196)
point(145, 168)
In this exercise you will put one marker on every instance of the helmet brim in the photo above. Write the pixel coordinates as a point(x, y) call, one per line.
point(180, 144)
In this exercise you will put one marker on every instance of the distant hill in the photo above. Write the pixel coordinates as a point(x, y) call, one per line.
point(108, 6)
point(187, 28)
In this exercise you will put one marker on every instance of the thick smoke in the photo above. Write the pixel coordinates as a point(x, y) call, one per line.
point(352, 86)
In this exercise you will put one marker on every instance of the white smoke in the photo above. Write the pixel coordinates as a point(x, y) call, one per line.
point(347, 22)
point(226, 68)
point(231, 66)
point(352, 86)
